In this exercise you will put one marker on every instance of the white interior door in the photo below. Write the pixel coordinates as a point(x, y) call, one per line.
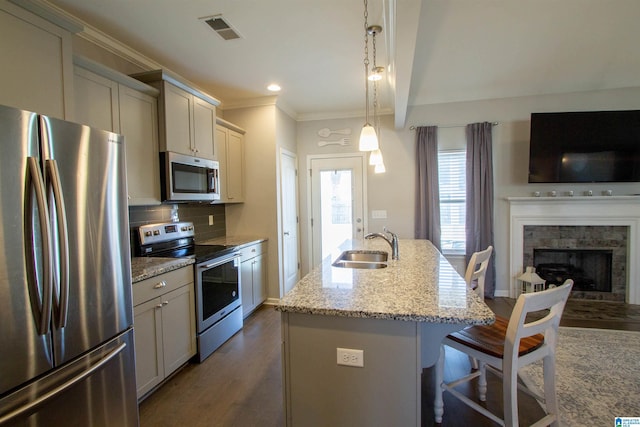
point(289, 208)
point(337, 203)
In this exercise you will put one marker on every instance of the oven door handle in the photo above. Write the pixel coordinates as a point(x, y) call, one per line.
point(220, 262)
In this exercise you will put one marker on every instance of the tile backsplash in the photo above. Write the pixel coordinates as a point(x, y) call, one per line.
point(196, 213)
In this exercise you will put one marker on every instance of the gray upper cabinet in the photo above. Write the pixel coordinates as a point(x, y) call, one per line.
point(230, 143)
point(37, 67)
point(109, 100)
point(187, 117)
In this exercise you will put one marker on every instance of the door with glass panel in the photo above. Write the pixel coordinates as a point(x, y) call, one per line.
point(338, 200)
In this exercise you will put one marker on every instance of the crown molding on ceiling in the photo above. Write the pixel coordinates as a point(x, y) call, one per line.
point(309, 117)
point(261, 101)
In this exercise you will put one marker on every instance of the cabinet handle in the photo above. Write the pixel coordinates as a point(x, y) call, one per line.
point(160, 285)
point(165, 302)
point(159, 305)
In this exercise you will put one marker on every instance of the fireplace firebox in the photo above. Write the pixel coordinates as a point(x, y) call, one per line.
point(590, 269)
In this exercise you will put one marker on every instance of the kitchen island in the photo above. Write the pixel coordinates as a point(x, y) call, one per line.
point(390, 320)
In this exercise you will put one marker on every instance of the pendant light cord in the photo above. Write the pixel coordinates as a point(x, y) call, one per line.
point(366, 62)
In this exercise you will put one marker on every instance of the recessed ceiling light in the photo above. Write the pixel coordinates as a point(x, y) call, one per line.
point(273, 87)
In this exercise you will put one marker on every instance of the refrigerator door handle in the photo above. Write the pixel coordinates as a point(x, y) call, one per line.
point(32, 406)
point(40, 304)
point(60, 292)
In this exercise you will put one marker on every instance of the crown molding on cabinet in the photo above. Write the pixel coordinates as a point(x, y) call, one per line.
point(52, 14)
point(229, 125)
point(114, 75)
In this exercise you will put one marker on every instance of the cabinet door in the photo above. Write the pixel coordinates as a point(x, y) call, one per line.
point(235, 166)
point(139, 125)
point(221, 156)
point(178, 327)
point(178, 106)
point(259, 280)
point(147, 330)
point(246, 283)
point(96, 100)
point(37, 69)
point(204, 128)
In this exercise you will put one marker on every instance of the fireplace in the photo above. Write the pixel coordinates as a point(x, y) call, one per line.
point(594, 257)
point(594, 225)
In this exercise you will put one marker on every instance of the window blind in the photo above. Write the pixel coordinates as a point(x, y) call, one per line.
point(452, 186)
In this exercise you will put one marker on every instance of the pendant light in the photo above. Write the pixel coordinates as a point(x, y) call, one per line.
point(375, 158)
point(368, 137)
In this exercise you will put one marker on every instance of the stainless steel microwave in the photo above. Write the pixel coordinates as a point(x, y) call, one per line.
point(188, 179)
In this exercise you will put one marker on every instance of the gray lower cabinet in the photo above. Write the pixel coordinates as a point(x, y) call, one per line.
point(253, 276)
point(164, 326)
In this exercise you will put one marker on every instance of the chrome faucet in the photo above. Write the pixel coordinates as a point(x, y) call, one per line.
point(393, 241)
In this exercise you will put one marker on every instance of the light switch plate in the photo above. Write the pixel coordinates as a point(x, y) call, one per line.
point(379, 214)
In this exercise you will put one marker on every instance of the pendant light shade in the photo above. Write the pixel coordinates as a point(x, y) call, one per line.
point(375, 158)
point(368, 138)
point(380, 168)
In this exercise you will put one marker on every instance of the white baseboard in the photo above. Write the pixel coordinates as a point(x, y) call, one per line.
point(501, 294)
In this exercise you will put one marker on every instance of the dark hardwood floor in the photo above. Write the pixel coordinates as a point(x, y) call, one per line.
point(240, 384)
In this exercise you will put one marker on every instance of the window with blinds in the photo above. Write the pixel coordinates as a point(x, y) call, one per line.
point(452, 183)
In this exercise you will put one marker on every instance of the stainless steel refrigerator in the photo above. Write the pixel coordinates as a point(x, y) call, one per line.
point(66, 316)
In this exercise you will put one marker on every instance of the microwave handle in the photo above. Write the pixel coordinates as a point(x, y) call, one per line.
point(212, 175)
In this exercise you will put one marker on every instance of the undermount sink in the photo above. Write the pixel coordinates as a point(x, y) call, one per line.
point(362, 259)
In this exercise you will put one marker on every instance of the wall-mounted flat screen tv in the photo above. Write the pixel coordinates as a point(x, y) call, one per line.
point(589, 146)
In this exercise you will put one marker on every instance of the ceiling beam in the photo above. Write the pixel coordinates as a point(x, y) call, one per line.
point(403, 17)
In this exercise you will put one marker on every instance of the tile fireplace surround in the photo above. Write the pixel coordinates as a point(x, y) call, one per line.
point(575, 211)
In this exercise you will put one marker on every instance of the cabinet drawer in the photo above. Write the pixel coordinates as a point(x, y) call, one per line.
point(251, 251)
point(155, 286)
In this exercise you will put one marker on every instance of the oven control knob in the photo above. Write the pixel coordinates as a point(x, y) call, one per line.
point(190, 227)
point(156, 232)
point(147, 233)
point(183, 228)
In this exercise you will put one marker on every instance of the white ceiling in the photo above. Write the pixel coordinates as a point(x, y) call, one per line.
point(464, 49)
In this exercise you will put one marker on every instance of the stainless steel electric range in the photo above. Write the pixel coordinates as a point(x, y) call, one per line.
point(217, 279)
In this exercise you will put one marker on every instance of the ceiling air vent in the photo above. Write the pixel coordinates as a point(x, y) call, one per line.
point(221, 27)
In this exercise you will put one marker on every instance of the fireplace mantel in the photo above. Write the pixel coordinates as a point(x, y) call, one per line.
point(593, 210)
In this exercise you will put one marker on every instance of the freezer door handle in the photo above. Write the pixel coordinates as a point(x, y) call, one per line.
point(32, 406)
point(40, 304)
point(61, 239)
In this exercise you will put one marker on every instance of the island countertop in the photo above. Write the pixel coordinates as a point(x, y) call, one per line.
point(421, 286)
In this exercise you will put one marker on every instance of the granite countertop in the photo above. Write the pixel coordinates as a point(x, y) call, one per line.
point(145, 267)
point(238, 241)
point(421, 286)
